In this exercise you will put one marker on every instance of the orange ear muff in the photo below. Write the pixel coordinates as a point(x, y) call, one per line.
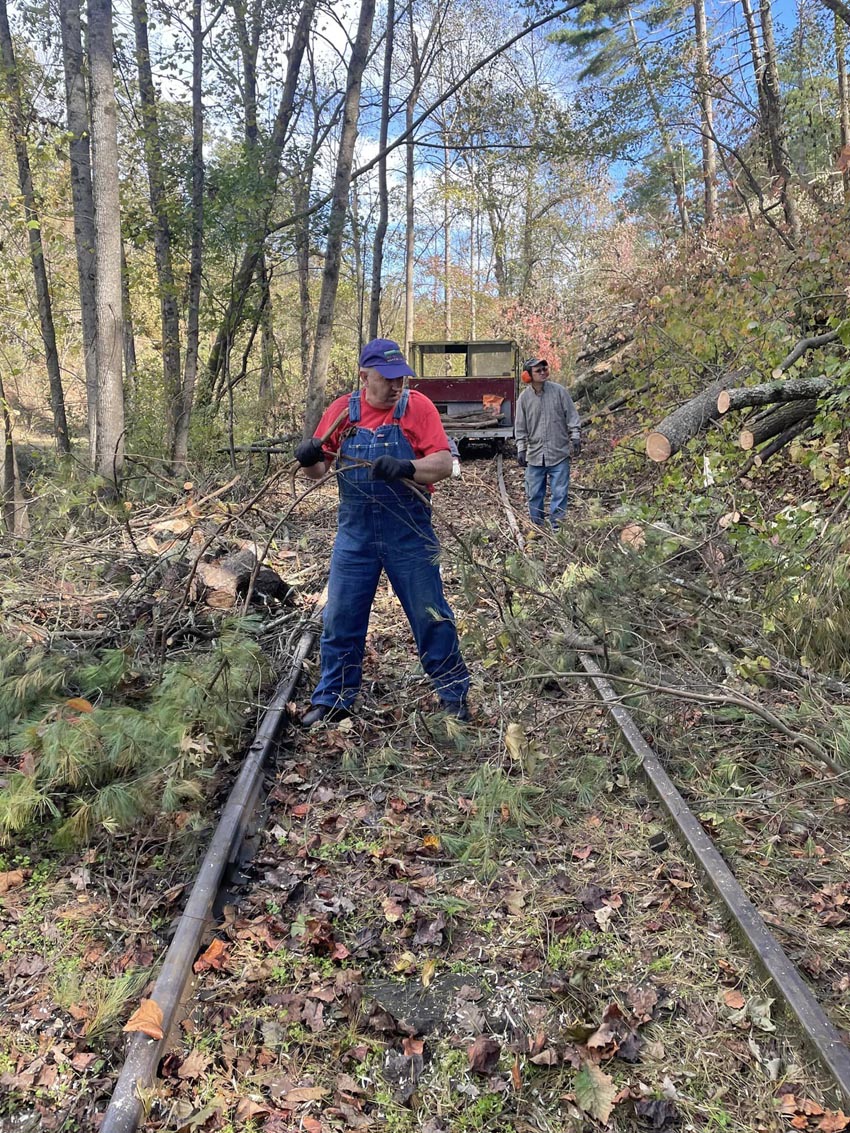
point(525, 377)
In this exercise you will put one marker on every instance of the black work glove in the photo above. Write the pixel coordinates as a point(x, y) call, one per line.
point(309, 453)
point(521, 460)
point(389, 468)
point(575, 446)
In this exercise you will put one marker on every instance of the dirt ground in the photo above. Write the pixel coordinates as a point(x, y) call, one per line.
point(442, 927)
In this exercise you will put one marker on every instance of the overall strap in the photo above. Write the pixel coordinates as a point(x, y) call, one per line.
point(401, 405)
point(354, 407)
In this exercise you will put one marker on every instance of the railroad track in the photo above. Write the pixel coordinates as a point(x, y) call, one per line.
point(126, 1109)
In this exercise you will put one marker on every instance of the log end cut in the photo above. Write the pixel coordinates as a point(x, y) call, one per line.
point(723, 401)
point(746, 440)
point(658, 447)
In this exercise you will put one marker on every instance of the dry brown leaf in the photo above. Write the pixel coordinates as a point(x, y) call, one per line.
point(516, 1074)
point(193, 1065)
point(734, 999)
point(311, 1124)
point(431, 842)
point(147, 1019)
point(11, 880)
point(545, 1058)
point(214, 957)
point(483, 1054)
point(304, 1094)
point(247, 1109)
point(834, 1122)
point(428, 970)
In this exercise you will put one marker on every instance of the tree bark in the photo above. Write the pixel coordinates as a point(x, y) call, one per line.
point(758, 65)
point(169, 313)
point(11, 81)
point(757, 459)
point(260, 226)
point(107, 209)
point(768, 393)
point(383, 192)
point(709, 152)
point(775, 124)
point(336, 220)
point(839, 9)
point(660, 125)
point(193, 305)
point(684, 423)
point(840, 36)
point(776, 421)
point(76, 99)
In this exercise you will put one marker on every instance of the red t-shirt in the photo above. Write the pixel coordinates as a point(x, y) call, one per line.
point(420, 424)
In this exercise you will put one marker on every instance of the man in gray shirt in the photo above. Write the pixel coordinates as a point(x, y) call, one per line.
point(548, 436)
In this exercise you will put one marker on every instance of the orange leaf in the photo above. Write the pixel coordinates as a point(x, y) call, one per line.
point(214, 957)
point(800, 1121)
point(734, 999)
point(147, 1019)
point(311, 1124)
point(79, 704)
point(834, 1122)
point(301, 811)
point(11, 880)
point(583, 854)
point(516, 1074)
point(431, 842)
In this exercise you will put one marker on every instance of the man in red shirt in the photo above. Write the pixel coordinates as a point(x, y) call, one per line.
point(391, 435)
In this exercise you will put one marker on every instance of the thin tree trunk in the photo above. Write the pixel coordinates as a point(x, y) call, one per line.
point(193, 306)
point(301, 194)
point(7, 466)
point(17, 124)
point(383, 192)
point(774, 124)
point(843, 105)
point(336, 220)
point(409, 217)
point(129, 332)
point(266, 192)
point(447, 240)
point(709, 152)
point(672, 164)
point(76, 99)
point(758, 65)
point(169, 313)
point(107, 207)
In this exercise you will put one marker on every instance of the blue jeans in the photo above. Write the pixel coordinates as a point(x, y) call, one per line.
point(558, 478)
point(384, 527)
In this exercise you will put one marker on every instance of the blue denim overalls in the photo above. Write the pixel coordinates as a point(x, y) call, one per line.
point(385, 526)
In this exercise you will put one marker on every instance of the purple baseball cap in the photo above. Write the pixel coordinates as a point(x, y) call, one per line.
point(385, 356)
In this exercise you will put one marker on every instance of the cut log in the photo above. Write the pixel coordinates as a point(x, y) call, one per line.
point(768, 393)
point(224, 581)
point(686, 422)
point(775, 422)
point(764, 454)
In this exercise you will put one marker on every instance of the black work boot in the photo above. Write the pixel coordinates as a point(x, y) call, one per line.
point(319, 712)
point(457, 708)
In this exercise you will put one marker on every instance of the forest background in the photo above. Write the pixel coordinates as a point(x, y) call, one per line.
point(205, 213)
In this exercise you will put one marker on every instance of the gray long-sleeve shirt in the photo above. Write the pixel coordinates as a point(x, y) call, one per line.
point(546, 422)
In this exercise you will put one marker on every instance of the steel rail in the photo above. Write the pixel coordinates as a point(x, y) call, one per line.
point(822, 1036)
point(126, 1105)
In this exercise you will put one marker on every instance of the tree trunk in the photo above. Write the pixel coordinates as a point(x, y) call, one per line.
point(11, 82)
point(336, 220)
point(768, 393)
point(129, 334)
point(684, 423)
point(447, 241)
point(776, 421)
point(709, 152)
point(383, 192)
point(758, 65)
point(193, 306)
point(672, 164)
point(775, 124)
point(843, 106)
point(81, 195)
point(107, 218)
point(169, 313)
point(839, 9)
point(266, 192)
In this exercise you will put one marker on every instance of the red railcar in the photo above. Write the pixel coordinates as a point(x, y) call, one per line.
point(473, 384)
